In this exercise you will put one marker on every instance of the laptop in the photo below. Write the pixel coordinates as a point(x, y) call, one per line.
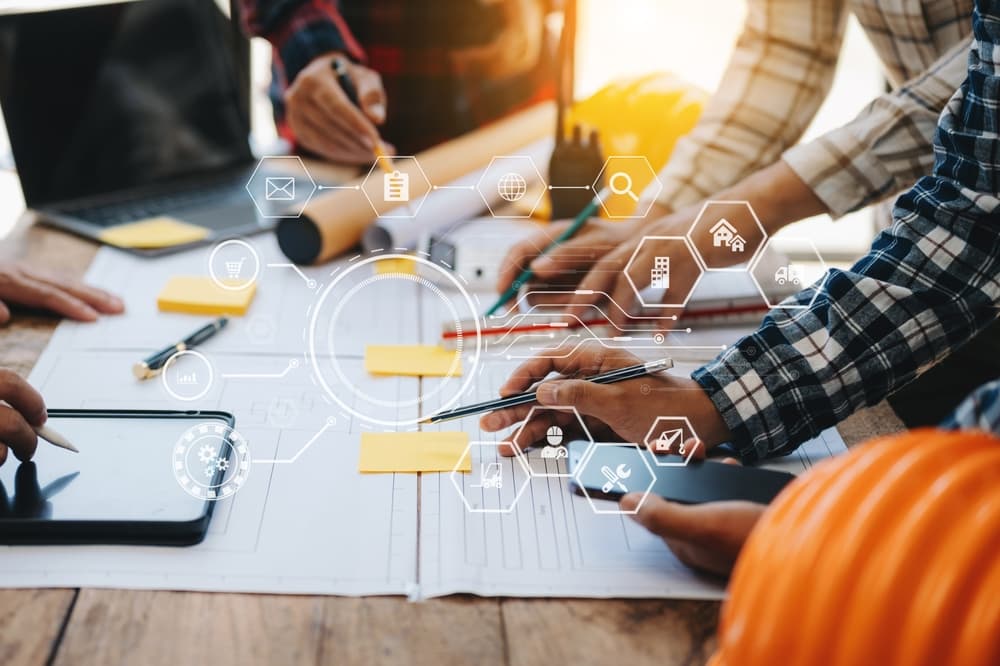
point(125, 111)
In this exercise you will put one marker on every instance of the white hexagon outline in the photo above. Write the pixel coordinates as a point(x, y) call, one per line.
point(756, 220)
point(597, 188)
point(468, 451)
point(652, 428)
point(304, 170)
point(816, 290)
point(585, 459)
point(538, 199)
point(638, 292)
point(413, 205)
point(531, 412)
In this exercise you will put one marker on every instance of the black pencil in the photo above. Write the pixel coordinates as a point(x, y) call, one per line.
point(619, 375)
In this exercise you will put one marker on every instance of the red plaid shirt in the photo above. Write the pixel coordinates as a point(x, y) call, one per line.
point(409, 43)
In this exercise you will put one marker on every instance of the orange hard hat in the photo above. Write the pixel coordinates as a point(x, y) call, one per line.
point(889, 554)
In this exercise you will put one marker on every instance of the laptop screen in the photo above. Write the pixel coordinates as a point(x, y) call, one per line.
point(107, 98)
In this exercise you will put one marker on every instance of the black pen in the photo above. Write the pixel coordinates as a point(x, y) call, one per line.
point(339, 65)
point(619, 375)
point(152, 365)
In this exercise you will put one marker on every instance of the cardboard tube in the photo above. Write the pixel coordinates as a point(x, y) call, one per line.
point(333, 222)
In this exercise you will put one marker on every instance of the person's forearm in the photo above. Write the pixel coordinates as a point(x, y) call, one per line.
point(777, 195)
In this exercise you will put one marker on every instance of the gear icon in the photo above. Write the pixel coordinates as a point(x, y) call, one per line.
point(210, 471)
point(206, 454)
point(222, 464)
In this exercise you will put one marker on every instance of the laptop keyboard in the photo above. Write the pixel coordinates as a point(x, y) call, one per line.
point(108, 214)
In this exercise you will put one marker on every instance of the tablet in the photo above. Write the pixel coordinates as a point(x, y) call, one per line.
point(123, 486)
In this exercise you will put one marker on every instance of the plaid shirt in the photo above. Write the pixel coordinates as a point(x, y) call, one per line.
point(981, 410)
point(410, 45)
point(780, 72)
point(929, 283)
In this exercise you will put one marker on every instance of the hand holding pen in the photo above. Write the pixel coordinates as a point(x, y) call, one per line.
point(334, 121)
point(22, 419)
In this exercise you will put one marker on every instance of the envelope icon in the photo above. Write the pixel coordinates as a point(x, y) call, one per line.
point(668, 439)
point(279, 188)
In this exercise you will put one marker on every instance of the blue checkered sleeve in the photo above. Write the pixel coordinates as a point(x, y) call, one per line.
point(980, 410)
point(928, 284)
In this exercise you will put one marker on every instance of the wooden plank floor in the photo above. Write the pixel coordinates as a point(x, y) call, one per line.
point(152, 628)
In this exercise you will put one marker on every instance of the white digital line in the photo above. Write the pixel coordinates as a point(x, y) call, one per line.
point(330, 422)
point(292, 364)
point(537, 350)
point(310, 283)
point(569, 187)
point(339, 187)
point(454, 187)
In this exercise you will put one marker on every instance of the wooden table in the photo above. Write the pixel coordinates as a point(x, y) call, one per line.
point(94, 626)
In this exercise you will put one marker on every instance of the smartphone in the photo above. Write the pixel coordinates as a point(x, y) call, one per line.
point(695, 483)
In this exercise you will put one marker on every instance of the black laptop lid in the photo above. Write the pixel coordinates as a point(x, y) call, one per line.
point(109, 98)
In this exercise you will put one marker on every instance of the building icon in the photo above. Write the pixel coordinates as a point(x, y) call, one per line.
point(659, 276)
point(724, 234)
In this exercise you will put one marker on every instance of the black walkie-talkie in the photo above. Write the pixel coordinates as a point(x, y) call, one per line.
point(576, 163)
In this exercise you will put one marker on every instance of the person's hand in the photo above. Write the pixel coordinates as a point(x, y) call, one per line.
point(707, 537)
point(594, 240)
point(23, 409)
point(31, 288)
point(628, 409)
point(607, 275)
point(325, 120)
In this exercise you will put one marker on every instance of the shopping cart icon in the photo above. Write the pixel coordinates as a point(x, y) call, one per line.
point(234, 268)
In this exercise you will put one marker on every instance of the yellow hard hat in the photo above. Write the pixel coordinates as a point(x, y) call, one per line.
point(643, 116)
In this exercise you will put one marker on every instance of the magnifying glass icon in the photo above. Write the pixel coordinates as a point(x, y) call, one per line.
point(621, 183)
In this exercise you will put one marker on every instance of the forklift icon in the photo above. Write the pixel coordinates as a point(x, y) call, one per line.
point(490, 476)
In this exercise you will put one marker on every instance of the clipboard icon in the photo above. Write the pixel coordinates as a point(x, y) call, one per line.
point(396, 186)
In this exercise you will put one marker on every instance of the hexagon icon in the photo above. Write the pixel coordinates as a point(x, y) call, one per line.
point(731, 234)
point(614, 466)
point(391, 186)
point(506, 186)
point(280, 186)
point(549, 460)
point(495, 483)
point(668, 268)
point(667, 441)
point(627, 177)
point(777, 277)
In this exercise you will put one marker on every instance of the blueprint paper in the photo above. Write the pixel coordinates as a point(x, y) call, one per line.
point(306, 521)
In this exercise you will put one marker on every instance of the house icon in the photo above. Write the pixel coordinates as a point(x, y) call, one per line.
point(723, 233)
point(737, 244)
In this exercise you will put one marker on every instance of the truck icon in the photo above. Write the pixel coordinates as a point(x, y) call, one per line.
point(490, 476)
point(790, 273)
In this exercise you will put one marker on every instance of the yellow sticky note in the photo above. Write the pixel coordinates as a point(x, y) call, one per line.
point(412, 361)
point(200, 295)
point(155, 232)
point(396, 265)
point(383, 452)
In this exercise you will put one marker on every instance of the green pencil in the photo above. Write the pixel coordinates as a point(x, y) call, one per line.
point(571, 230)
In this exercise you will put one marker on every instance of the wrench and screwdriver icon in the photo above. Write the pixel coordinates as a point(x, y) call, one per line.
point(615, 477)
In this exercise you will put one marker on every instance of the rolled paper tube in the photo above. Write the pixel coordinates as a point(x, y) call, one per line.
point(334, 221)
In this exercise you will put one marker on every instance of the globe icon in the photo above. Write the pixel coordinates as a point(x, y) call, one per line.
point(511, 187)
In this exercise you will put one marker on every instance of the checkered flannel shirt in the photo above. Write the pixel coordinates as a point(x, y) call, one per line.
point(778, 76)
point(929, 283)
point(981, 410)
point(410, 45)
